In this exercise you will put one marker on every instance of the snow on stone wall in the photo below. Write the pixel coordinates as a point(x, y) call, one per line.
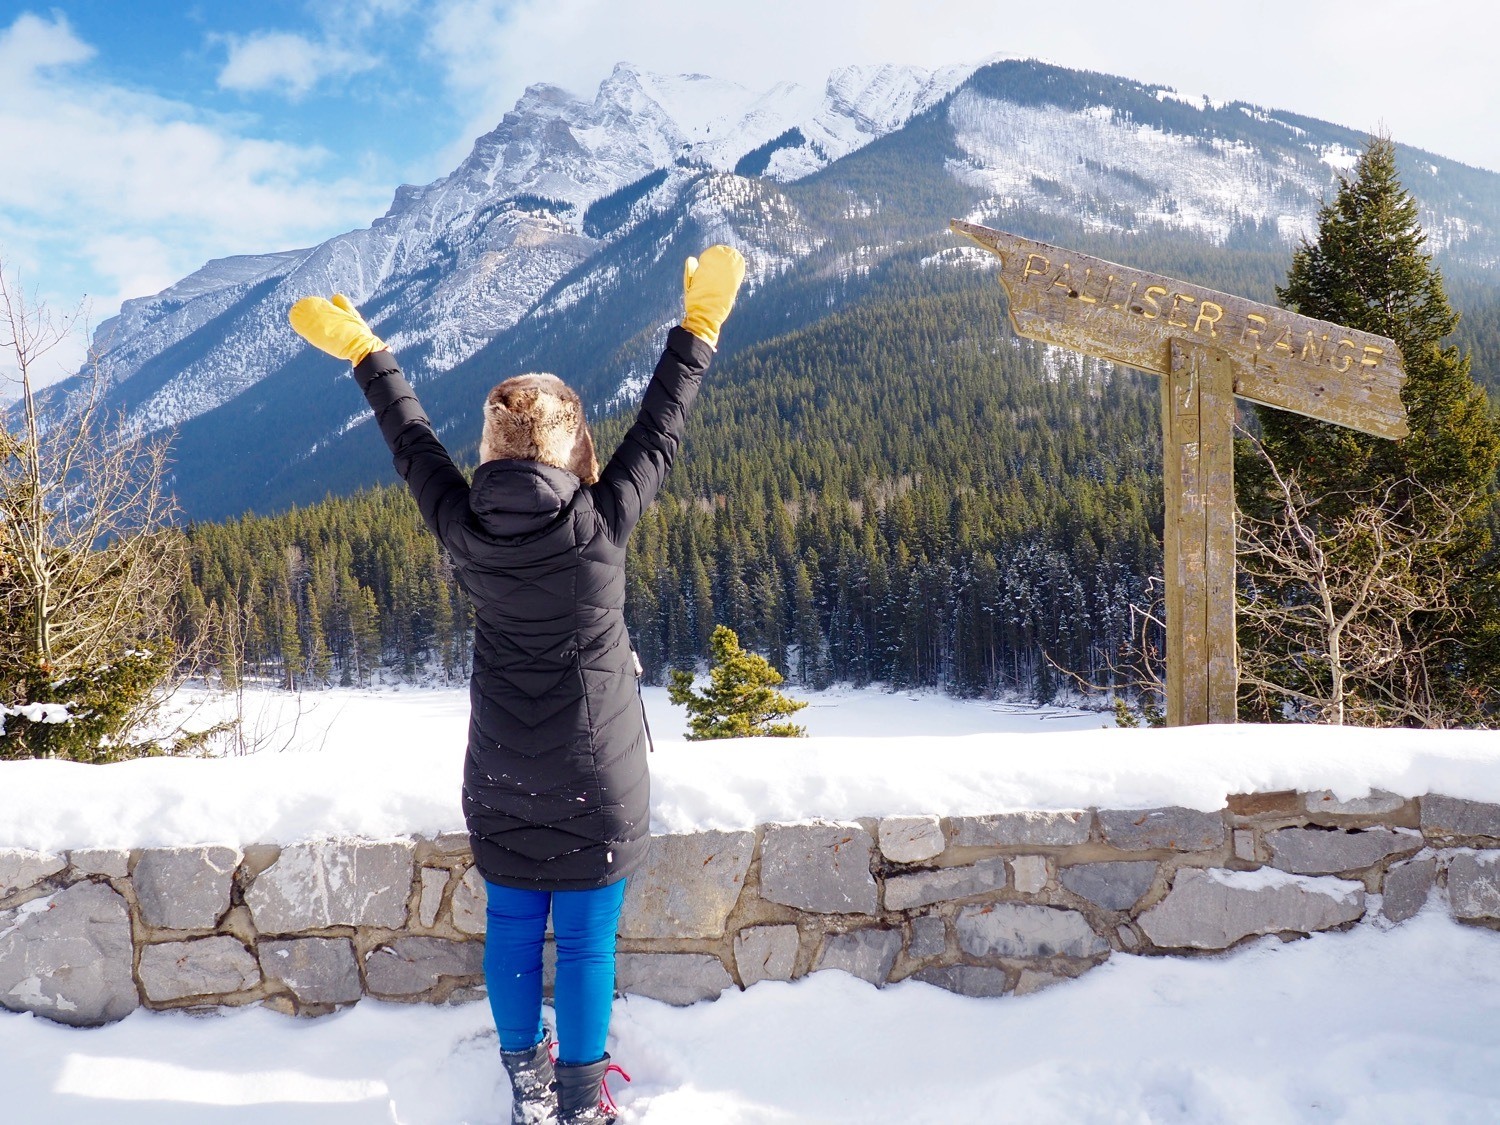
point(979, 905)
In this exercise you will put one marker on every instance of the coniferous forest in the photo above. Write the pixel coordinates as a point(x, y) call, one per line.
point(902, 492)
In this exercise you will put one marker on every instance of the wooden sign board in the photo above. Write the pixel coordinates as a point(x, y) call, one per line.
point(1278, 358)
point(1210, 347)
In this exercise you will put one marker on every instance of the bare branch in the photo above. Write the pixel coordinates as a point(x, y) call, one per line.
point(1332, 600)
point(89, 559)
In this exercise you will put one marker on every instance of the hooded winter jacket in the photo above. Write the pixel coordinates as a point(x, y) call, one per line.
point(556, 794)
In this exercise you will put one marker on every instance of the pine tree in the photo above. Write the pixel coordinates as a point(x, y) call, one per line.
point(741, 700)
point(1368, 270)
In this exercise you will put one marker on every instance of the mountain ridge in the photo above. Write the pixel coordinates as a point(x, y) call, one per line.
point(495, 265)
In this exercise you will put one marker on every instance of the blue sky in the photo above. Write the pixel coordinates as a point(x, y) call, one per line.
point(140, 138)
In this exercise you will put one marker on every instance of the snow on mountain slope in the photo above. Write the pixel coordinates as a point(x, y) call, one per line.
point(1088, 164)
point(146, 327)
point(712, 115)
point(1122, 156)
point(862, 103)
point(474, 282)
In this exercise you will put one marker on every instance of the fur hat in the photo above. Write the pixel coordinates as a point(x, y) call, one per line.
point(538, 418)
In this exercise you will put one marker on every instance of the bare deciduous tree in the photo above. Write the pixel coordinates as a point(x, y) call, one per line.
point(1328, 603)
point(89, 557)
point(1138, 671)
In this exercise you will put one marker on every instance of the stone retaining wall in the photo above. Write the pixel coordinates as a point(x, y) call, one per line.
point(981, 905)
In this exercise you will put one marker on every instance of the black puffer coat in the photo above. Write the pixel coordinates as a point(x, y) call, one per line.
point(556, 793)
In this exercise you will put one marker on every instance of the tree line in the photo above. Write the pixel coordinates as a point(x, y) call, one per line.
point(903, 493)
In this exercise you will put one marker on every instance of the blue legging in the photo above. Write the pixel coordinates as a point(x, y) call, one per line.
point(584, 925)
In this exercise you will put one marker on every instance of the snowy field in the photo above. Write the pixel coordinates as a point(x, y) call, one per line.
point(1379, 1024)
point(389, 763)
point(1400, 1027)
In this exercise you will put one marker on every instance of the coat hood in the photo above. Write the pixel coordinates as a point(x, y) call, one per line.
point(515, 497)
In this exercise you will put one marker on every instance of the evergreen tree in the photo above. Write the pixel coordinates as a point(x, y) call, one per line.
point(1368, 270)
point(741, 700)
point(319, 659)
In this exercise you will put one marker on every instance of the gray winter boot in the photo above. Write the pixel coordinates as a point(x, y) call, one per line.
point(581, 1097)
point(533, 1089)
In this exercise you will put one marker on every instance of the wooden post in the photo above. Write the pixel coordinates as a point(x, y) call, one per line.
point(1198, 534)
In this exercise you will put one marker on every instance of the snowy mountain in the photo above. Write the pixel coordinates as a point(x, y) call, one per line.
point(556, 243)
point(455, 262)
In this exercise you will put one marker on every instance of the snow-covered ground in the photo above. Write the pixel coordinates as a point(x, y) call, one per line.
point(1366, 1026)
point(389, 763)
point(1378, 1024)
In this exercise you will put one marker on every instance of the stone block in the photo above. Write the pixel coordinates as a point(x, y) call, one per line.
point(1380, 802)
point(922, 888)
point(22, 868)
point(211, 966)
point(911, 839)
point(689, 886)
point(1318, 851)
point(1022, 829)
point(1244, 844)
point(69, 957)
point(1273, 805)
point(1127, 936)
point(1474, 886)
point(1174, 828)
point(966, 980)
point(1032, 980)
point(673, 978)
point(1029, 873)
point(469, 899)
point(1114, 886)
point(184, 888)
point(434, 880)
point(333, 883)
point(929, 938)
point(1450, 817)
point(1215, 908)
point(317, 970)
point(409, 966)
point(451, 843)
point(765, 953)
point(113, 863)
point(867, 953)
point(1014, 929)
point(1406, 888)
point(822, 867)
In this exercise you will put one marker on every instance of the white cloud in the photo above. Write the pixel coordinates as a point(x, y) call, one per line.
point(287, 63)
point(33, 44)
point(119, 193)
point(360, 15)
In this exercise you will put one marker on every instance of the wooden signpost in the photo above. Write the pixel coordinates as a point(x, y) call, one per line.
point(1211, 347)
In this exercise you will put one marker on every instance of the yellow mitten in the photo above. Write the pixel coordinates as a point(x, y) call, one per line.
point(334, 327)
point(709, 284)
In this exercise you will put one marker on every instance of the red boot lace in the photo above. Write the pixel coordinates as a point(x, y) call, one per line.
point(606, 1102)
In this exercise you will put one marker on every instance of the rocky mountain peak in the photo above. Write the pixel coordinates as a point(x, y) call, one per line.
point(570, 206)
